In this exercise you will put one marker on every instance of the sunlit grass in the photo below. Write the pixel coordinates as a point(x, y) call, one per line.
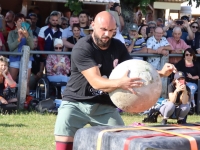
point(34, 131)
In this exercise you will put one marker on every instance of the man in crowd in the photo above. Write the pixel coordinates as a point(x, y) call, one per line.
point(183, 23)
point(178, 45)
point(68, 32)
point(85, 100)
point(83, 20)
point(134, 42)
point(157, 44)
point(34, 28)
point(37, 66)
point(48, 33)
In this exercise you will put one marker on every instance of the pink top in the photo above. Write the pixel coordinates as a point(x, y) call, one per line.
point(180, 45)
point(52, 60)
point(177, 45)
point(6, 83)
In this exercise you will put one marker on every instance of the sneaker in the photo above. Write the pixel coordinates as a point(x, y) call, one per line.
point(164, 122)
point(180, 121)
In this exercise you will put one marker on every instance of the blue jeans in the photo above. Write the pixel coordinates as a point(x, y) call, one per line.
point(59, 78)
point(193, 89)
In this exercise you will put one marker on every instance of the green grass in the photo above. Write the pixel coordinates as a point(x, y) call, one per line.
point(34, 131)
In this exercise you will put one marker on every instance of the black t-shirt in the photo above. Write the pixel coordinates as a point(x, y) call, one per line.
point(85, 55)
point(194, 70)
point(72, 40)
point(36, 63)
point(172, 88)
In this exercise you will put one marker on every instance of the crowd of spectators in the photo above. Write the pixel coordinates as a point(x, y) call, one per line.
point(61, 33)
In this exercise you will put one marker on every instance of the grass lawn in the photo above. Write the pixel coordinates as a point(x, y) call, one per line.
point(34, 131)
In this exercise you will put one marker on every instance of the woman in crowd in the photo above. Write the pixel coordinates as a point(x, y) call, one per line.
point(195, 45)
point(142, 31)
point(191, 69)
point(150, 29)
point(179, 96)
point(6, 83)
point(58, 66)
point(76, 35)
point(17, 38)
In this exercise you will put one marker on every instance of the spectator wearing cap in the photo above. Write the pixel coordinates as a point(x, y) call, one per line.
point(134, 42)
point(179, 96)
point(34, 28)
point(88, 31)
point(183, 23)
point(157, 44)
point(178, 45)
point(58, 66)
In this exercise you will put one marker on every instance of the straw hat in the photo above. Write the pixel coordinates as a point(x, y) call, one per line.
point(87, 31)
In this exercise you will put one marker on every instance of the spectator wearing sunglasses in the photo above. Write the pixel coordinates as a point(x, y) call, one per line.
point(58, 66)
point(151, 28)
point(64, 22)
point(189, 66)
point(195, 45)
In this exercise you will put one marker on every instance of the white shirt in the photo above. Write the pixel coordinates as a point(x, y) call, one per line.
point(153, 44)
point(119, 37)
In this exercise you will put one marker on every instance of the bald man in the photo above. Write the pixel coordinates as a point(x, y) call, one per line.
point(86, 99)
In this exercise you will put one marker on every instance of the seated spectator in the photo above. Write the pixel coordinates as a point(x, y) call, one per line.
point(179, 95)
point(178, 45)
point(157, 44)
point(194, 44)
point(6, 83)
point(151, 27)
point(135, 43)
point(142, 31)
point(58, 66)
point(64, 23)
point(37, 66)
point(88, 31)
point(76, 35)
point(16, 40)
point(189, 66)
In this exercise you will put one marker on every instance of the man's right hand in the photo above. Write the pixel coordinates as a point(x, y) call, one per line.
point(127, 83)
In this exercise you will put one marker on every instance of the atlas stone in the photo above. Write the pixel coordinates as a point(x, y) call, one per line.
point(146, 96)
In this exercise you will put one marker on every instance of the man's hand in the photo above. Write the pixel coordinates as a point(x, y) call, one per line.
point(167, 70)
point(165, 52)
point(127, 83)
point(3, 101)
point(159, 50)
point(118, 10)
point(185, 24)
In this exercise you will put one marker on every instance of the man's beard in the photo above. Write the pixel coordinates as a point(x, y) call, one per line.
point(100, 43)
point(53, 25)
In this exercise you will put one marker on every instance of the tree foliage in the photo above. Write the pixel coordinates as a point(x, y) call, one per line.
point(74, 5)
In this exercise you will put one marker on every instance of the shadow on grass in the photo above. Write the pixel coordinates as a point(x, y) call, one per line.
point(12, 125)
